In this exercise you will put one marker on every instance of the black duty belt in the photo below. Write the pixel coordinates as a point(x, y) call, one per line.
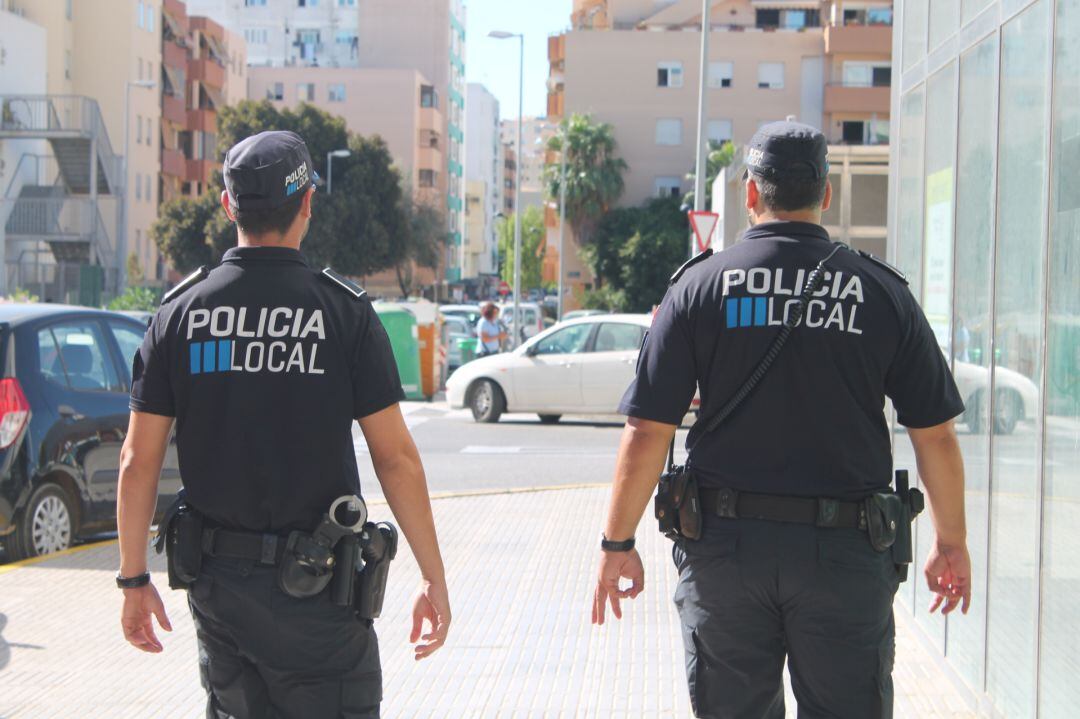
point(818, 511)
point(265, 549)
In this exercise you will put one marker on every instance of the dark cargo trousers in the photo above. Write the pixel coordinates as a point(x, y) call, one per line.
point(751, 592)
point(264, 654)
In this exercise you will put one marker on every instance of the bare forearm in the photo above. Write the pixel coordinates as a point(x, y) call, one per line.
point(941, 468)
point(405, 487)
point(640, 462)
point(136, 502)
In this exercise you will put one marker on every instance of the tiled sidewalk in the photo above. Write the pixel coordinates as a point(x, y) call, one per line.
point(520, 568)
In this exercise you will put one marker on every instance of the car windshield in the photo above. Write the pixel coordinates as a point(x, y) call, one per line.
point(569, 340)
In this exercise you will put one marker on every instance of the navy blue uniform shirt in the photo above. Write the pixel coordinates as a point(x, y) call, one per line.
point(815, 425)
point(265, 364)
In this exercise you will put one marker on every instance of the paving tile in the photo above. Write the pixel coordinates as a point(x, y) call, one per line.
point(521, 645)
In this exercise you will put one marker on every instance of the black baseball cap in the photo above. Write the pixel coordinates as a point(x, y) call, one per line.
point(788, 150)
point(268, 170)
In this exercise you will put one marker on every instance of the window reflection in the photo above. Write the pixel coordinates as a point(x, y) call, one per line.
point(1059, 692)
point(1022, 198)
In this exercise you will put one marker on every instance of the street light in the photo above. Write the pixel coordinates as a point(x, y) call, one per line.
point(701, 163)
point(564, 149)
point(503, 35)
point(330, 167)
point(121, 246)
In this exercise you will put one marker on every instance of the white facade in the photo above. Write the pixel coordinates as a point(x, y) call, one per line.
point(22, 72)
point(484, 164)
point(320, 33)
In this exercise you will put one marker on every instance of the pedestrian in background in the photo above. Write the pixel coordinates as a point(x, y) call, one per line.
point(790, 543)
point(265, 363)
point(489, 330)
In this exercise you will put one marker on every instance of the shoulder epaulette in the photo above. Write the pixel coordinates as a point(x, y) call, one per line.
point(344, 283)
point(883, 264)
point(688, 264)
point(190, 281)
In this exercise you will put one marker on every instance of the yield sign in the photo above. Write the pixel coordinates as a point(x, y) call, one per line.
point(704, 223)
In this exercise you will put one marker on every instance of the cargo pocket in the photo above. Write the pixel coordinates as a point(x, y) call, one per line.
point(361, 695)
point(886, 660)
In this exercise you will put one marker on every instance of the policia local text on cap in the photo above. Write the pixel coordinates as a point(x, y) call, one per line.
point(264, 364)
point(790, 542)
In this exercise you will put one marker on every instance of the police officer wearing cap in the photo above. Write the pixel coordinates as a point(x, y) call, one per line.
point(264, 363)
point(787, 542)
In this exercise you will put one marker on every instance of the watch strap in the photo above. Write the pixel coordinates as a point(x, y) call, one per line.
point(609, 546)
point(140, 580)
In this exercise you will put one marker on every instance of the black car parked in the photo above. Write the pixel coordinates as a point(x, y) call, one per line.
point(66, 373)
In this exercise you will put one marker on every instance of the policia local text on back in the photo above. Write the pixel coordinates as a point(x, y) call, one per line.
point(264, 363)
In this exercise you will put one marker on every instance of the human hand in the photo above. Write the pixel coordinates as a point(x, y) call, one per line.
point(948, 575)
point(613, 567)
point(140, 604)
point(433, 604)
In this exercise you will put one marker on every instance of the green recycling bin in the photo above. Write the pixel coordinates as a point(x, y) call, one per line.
point(400, 325)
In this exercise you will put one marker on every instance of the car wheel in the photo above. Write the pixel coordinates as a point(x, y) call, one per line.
point(47, 524)
point(549, 418)
point(974, 414)
point(486, 401)
point(1006, 411)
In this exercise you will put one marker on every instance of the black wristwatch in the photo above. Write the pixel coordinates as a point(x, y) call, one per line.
point(609, 546)
point(135, 582)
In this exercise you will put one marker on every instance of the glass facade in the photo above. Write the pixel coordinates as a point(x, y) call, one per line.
point(985, 219)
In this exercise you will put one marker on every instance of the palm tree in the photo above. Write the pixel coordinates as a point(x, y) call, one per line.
point(720, 155)
point(594, 175)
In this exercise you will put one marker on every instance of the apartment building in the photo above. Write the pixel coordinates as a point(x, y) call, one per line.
point(203, 69)
point(483, 172)
point(535, 132)
point(425, 36)
point(636, 65)
point(509, 178)
point(406, 116)
point(111, 53)
point(429, 36)
point(306, 33)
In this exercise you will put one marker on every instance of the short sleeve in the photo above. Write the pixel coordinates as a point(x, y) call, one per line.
point(666, 372)
point(375, 380)
point(919, 381)
point(151, 390)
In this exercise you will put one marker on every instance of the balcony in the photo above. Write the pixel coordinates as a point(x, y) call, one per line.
point(858, 39)
point(207, 71)
point(200, 170)
point(429, 158)
point(555, 104)
point(556, 49)
point(172, 109)
point(173, 164)
point(844, 98)
point(202, 120)
point(174, 56)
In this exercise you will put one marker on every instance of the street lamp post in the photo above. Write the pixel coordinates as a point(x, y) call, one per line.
point(701, 166)
point(503, 35)
point(330, 167)
point(121, 246)
point(563, 146)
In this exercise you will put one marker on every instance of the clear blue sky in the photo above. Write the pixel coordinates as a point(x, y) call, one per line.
point(494, 63)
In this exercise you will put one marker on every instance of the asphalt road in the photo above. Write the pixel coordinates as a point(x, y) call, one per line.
point(461, 455)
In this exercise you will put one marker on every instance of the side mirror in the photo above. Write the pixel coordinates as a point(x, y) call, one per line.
point(532, 350)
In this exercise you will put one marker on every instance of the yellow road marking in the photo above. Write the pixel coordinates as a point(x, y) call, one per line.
point(4, 568)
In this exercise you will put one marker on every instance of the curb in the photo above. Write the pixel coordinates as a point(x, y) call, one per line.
point(5, 568)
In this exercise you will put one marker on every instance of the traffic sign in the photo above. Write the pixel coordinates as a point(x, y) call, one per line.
point(704, 224)
point(504, 288)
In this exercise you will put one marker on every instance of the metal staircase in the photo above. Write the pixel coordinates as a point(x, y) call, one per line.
point(64, 217)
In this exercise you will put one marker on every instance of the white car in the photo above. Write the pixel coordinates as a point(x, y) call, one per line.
point(581, 366)
point(1015, 396)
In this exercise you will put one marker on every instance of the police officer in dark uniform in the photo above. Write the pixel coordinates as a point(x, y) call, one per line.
point(264, 363)
point(789, 538)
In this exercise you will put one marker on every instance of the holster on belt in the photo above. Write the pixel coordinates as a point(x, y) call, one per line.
point(911, 504)
point(378, 547)
point(180, 537)
point(677, 505)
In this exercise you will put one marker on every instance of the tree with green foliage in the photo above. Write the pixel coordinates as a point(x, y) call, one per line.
point(720, 155)
point(357, 229)
point(594, 174)
point(532, 248)
point(634, 251)
point(143, 299)
point(423, 241)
